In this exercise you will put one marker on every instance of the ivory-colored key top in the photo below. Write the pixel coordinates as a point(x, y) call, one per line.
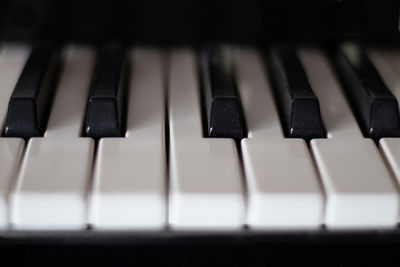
point(52, 184)
point(10, 155)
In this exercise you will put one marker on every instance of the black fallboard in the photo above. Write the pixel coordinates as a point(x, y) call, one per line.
point(184, 21)
point(187, 248)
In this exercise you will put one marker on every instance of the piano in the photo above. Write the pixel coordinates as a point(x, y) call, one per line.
point(212, 133)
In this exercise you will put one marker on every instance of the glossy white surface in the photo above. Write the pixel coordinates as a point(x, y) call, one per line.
point(51, 188)
point(69, 107)
point(390, 148)
point(130, 179)
point(10, 154)
point(283, 188)
point(360, 191)
point(205, 178)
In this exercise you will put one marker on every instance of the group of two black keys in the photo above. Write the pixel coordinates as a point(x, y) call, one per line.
point(30, 103)
point(373, 104)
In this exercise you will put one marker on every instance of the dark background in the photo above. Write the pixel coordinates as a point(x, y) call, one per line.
point(185, 21)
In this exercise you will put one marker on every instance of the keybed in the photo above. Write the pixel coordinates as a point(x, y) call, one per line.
point(221, 138)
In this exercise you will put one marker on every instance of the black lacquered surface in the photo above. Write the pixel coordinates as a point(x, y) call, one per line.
point(104, 117)
point(222, 104)
point(297, 103)
point(182, 21)
point(30, 102)
point(241, 248)
point(375, 107)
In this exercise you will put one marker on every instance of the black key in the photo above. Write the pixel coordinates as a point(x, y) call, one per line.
point(373, 104)
point(298, 105)
point(30, 102)
point(222, 106)
point(105, 104)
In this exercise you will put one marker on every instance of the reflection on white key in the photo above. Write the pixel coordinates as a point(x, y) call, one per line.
point(359, 189)
point(130, 179)
point(12, 61)
point(390, 148)
point(205, 180)
point(10, 154)
point(51, 188)
point(283, 188)
point(387, 61)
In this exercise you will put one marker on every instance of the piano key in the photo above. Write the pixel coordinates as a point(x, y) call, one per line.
point(222, 106)
point(390, 148)
point(50, 191)
point(12, 61)
point(297, 102)
point(30, 101)
point(10, 155)
point(386, 62)
point(283, 187)
point(359, 189)
point(130, 173)
point(105, 104)
point(51, 187)
point(205, 187)
point(374, 105)
point(70, 101)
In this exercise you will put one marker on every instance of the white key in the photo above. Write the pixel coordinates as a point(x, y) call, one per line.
point(390, 148)
point(359, 189)
point(130, 176)
point(51, 189)
point(52, 184)
point(283, 188)
point(387, 61)
point(12, 61)
point(69, 106)
point(205, 177)
point(10, 155)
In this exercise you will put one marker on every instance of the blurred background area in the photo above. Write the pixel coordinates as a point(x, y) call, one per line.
point(183, 21)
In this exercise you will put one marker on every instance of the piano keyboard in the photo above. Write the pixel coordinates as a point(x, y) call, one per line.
point(225, 138)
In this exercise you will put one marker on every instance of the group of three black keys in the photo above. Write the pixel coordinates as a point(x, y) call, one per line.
point(372, 102)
